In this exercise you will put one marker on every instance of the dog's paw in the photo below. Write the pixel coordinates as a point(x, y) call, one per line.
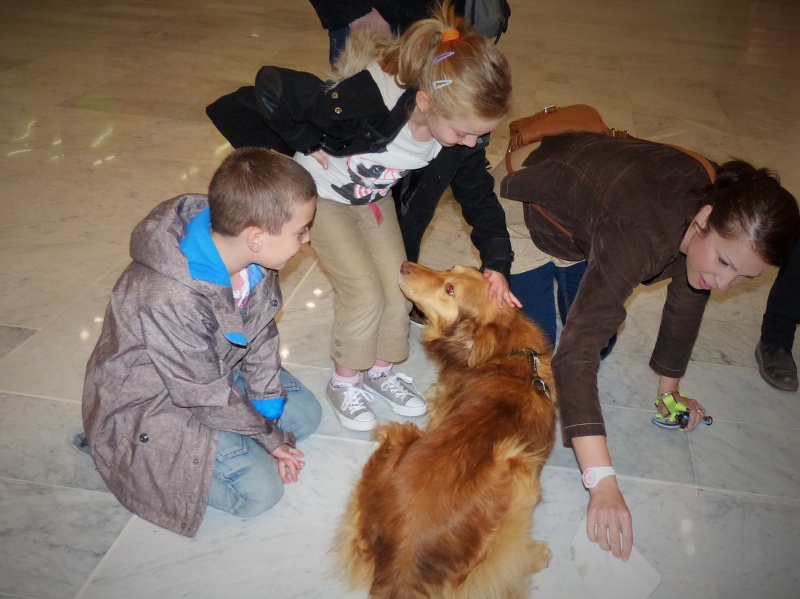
point(541, 554)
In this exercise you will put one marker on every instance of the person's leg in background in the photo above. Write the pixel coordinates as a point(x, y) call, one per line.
point(534, 289)
point(569, 280)
point(338, 39)
point(778, 326)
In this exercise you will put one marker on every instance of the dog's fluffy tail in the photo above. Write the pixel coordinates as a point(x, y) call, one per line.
point(358, 542)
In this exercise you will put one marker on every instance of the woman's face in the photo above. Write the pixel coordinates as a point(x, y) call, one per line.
point(715, 262)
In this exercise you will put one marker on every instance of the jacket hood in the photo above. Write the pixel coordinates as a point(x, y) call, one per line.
point(174, 241)
point(156, 241)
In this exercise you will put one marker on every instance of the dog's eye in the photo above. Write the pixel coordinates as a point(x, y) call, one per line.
point(449, 289)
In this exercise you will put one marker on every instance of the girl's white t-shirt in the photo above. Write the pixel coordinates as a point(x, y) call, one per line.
point(365, 178)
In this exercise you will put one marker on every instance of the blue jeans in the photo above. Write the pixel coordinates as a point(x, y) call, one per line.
point(534, 288)
point(246, 480)
point(338, 40)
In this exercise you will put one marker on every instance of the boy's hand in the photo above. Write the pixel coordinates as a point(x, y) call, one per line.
point(289, 462)
point(499, 291)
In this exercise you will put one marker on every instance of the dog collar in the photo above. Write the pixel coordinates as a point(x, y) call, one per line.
point(538, 383)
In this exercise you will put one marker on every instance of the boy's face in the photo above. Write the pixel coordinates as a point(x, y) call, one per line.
point(277, 250)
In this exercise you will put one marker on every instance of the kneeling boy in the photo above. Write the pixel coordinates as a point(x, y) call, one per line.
point(183, 403)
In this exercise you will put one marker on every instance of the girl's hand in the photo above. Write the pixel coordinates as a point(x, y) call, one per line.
point(289, 462)
point(499, 291)
point(319, 156)
point(372, 20)
point(608, 519)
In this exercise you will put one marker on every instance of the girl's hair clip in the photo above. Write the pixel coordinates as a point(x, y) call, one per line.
point(450, 35)
point(441, 83)
point(442, 56)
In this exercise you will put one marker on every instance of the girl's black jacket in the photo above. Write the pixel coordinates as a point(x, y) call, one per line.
point(293, 111)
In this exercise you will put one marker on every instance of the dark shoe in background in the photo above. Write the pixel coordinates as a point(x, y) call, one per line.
point(417, 318)
point(777, 366)
point(80, 443)
point(607, 349)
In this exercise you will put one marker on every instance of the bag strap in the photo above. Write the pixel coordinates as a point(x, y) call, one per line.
point(704, 162)
point(623, 134)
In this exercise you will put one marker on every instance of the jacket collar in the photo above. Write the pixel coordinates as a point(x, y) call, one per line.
point(205, 264)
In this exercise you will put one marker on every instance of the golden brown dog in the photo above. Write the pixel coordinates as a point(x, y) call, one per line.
point(447, 512)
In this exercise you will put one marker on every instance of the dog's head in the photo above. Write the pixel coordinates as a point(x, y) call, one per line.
point(445, 296)
point(463, 325)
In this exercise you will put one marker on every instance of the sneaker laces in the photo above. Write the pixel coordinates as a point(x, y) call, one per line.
point(353, 399)
point(396, 385)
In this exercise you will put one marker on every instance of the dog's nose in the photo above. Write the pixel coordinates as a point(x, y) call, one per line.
point(404, 268)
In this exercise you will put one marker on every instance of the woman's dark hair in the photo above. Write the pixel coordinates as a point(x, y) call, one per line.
point(750, 201)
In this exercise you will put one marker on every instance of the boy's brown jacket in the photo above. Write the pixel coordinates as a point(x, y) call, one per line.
point(159, 384)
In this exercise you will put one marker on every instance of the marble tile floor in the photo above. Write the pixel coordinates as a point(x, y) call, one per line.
point(101, 117)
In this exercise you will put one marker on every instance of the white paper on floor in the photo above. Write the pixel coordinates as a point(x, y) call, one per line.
point(607, 577)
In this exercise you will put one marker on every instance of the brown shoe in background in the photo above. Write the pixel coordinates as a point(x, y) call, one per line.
point(777, 366)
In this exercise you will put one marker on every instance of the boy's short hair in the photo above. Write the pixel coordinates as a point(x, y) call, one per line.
point(256, 187)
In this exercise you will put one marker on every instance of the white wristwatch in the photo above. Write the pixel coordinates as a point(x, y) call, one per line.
point(592, 476)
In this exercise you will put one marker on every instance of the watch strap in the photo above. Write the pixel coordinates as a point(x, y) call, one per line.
point(592, 476)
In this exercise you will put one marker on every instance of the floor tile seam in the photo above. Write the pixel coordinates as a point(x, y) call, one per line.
point(289, 364)
point(330, 437)
point(789, 428)
point(54, 486)
point(288, 301)
point(16, 326)
point(92, 575)
point(21, 345)
point(692, 486)
point(692, 458)
point(37, 396)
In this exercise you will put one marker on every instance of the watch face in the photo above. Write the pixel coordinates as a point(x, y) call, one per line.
point(589, 478)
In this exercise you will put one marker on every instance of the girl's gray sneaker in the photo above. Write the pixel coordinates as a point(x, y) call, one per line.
point(350, 406)
point(398, 391)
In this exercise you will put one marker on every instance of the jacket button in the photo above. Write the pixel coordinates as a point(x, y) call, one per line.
point(274, 302)
point(368, 135)
point(195, 461)
point(144, 437)
point(335, 95)
point(337, 110)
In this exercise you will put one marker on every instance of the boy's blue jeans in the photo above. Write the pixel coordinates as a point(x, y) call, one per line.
point(246, 480)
